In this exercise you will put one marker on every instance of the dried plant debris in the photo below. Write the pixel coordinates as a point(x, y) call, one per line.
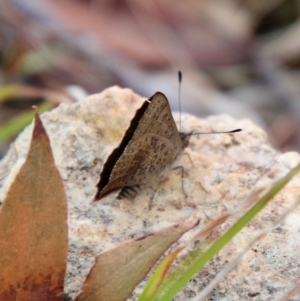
point(220, 172)
point(33, 227)
point(117, 271)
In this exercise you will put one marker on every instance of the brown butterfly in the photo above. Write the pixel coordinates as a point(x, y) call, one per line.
point(151, 143)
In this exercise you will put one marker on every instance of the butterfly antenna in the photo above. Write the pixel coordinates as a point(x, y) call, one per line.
point(208, 133)
point(179, 97)
point(179, 101)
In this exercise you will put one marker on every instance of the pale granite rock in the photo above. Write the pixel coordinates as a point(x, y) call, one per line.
point(220, 172)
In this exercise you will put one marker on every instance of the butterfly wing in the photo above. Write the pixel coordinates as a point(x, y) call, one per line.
point(154, 143)
point(145, 158)
point(158, 120)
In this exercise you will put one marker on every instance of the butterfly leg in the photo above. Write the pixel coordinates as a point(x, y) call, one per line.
point(150, 204)
point(187, 154)
point(182, 176)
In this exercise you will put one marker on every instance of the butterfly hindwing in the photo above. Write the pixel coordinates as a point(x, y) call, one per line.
point(158, 120)
point(145, 158)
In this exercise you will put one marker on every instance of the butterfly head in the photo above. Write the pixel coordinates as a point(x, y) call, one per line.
point(185, 139)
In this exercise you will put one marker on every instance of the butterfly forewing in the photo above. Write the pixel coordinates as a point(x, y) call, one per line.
point(158, 119)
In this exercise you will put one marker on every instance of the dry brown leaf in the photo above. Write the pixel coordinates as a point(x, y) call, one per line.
point(33, 228)
point(117, 271)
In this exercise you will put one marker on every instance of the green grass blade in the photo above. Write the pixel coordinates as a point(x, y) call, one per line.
point(196, 260)
point(14, 126)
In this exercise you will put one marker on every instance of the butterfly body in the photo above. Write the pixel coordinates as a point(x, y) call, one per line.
point(150, 144)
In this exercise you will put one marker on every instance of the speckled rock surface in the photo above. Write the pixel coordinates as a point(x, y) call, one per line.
point(220, 172)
